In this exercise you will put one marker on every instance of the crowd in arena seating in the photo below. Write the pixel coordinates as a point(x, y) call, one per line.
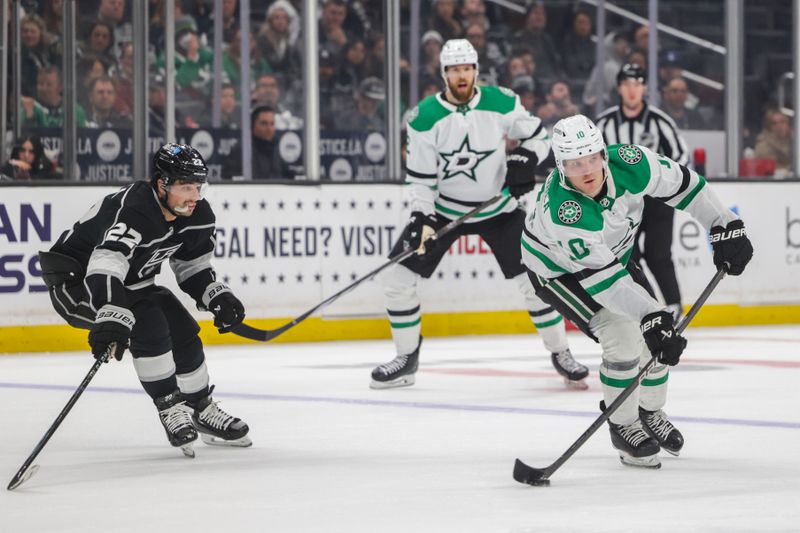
point(546, 55)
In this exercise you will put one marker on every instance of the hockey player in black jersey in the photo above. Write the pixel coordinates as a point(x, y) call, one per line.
point(101, 277)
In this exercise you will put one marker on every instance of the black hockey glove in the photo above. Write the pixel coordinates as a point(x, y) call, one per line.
point(661, 338)
point(227, 309)
point(112, 327)
point(732, 248)
point(521, 165)
point(420, 228)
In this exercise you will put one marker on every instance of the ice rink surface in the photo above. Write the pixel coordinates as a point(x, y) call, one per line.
point(331, 455)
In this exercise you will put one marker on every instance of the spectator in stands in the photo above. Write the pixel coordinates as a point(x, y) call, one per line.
point(35, 52)
point(157, 113)
point(474, 12)
point(99, 41)
point(578, 51)
point(641, 39)
point(193, 63)
point(490, 57)
point(230, 22)
point(88, 68)
point(431, 49)
point(368, 115)
point(673, 102)
point(353, 66)
point(47, 110)
point(267, 92)
point(443, 20)
point(515, 67)
point(328, 94)
point(559, 104)
point(276, 43)
point(775, 142)
point(28, 162)
point(123, 80)
point(525, 87)
point(202, 11)
point(231, 61)
point(113, 12)
point(266, 160)
point(617, 48)
point(332, 35)
point(376, 53)
point(101, 106)
point(53, 21)
point(230, 112)
point(535, 37)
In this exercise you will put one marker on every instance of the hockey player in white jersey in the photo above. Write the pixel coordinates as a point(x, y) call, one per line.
point(577, 246)
point(456, 161)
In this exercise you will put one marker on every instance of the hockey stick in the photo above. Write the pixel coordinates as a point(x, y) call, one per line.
point(26, 471)
point(264, 335)
point(541, 476)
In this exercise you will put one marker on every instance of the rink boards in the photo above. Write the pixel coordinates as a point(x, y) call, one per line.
point(283, 249)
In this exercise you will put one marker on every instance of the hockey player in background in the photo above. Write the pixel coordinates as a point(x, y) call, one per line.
point(101, 277)
point(577, 246)
point(456, 161)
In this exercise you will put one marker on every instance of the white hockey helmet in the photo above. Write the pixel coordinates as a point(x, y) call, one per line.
point(458, 52)
point(575, 137)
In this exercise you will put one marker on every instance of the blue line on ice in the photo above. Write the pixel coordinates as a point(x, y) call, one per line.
point(417, 405)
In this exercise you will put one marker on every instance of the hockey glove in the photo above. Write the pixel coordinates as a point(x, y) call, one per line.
point(732, 248)
point(111, 328)
point(228, 311)
point(661, 338)
point(420, 228)
point(521, 166)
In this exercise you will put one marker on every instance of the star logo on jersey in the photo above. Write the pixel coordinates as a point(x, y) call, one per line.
point(464, 160)
point(569, 212)
point(630, 154)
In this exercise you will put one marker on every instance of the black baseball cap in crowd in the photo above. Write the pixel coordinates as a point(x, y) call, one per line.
point(631, 71)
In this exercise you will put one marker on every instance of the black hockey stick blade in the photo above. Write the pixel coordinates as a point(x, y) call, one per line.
point(26, 471)
point(540, 477)
point(265, 335)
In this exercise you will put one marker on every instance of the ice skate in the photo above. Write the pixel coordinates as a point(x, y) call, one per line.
point(573, 372)
point(399, 372)
point(218, 428)
point(635, 446)
point(177, 422)
point(656, 424)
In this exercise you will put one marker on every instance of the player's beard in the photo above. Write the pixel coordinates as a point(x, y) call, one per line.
point(462, 95)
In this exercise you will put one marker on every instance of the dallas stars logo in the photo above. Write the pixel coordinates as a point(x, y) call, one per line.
point(630, 154)
point(463, 160)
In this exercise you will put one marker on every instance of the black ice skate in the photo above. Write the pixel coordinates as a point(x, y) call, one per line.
point(655, 423)
point(217, 427)
point(399, 372)
point(174, 416)
point(635, 446)
point(573, 372)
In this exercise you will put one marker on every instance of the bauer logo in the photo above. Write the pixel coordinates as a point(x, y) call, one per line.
point(630, 154)
point(108, 146)
point(569, 212)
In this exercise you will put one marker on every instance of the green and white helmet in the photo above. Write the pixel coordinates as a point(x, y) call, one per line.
point(575, 137)
point(458, 52)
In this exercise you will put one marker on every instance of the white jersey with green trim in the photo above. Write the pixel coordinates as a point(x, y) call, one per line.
point(570, 233)
point(457, 154)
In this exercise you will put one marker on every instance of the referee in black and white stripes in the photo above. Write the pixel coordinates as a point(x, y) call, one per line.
point(635, 122)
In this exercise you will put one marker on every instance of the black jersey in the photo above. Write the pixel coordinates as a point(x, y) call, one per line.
point(651, 128)
point(123, 240)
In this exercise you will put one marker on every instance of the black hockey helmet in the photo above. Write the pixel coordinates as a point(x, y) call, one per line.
point(174, 162)
point(632, 71)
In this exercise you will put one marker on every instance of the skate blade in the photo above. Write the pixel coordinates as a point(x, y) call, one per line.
point(402, 381)
point(652, 462)
point(212, 440)
point(187, 450)
point(576, 385)
point(675, 453)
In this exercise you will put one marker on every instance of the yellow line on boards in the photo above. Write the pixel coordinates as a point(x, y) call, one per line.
point(63, 338)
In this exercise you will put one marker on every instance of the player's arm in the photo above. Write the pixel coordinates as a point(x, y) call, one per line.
point(105, 283)
point(195, 274)
point(534, 146)
point(683, 188)
point(422, 175)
